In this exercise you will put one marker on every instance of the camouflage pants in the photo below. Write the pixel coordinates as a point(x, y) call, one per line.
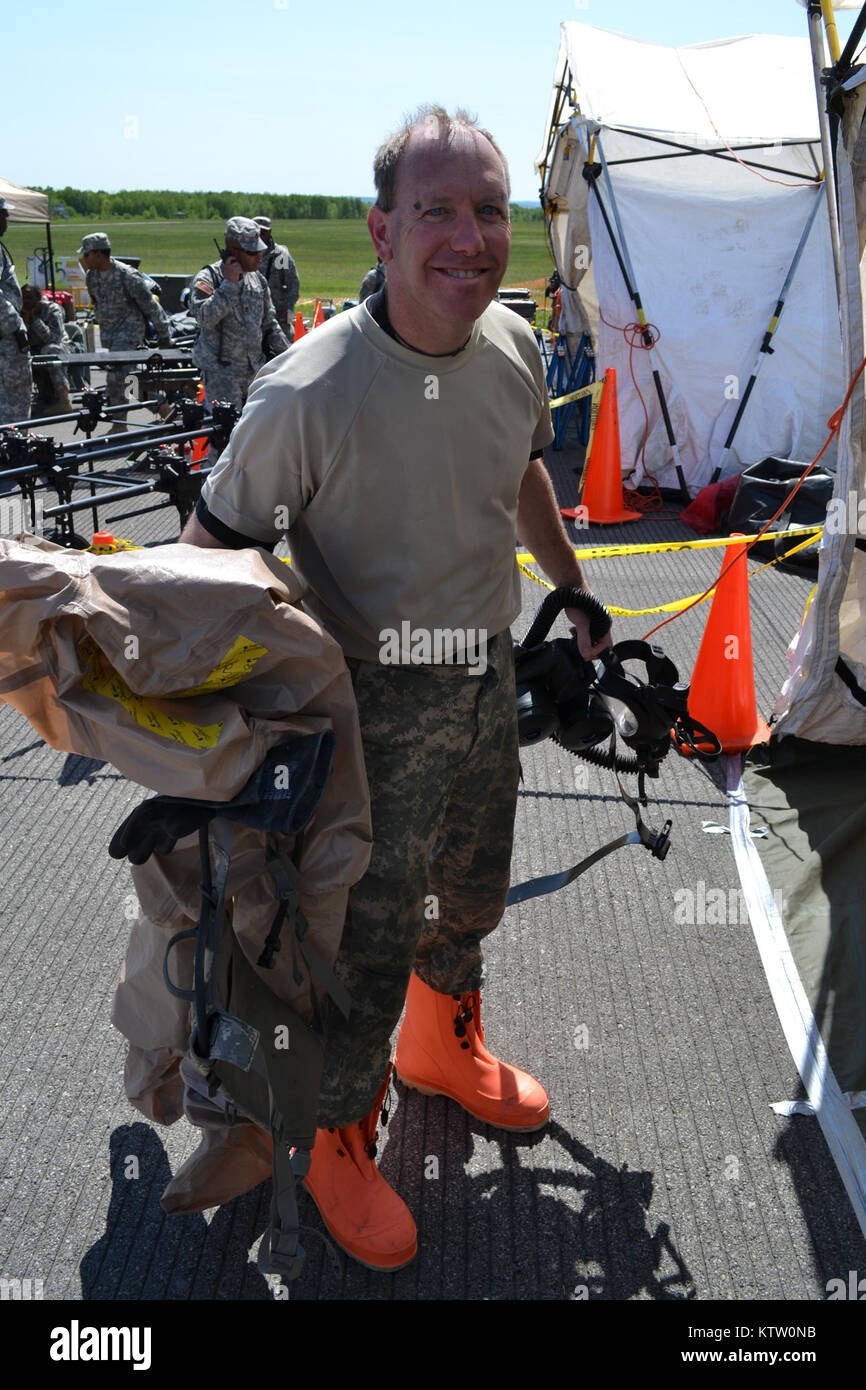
point(442, 761)
point(115, 386)
point(115, 377)
point(227, 384)
point(50, 381)
point(16, 382)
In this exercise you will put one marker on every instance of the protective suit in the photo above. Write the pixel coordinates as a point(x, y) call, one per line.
point(183, 667)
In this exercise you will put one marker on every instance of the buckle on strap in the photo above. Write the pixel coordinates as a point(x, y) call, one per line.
point(281, 1251)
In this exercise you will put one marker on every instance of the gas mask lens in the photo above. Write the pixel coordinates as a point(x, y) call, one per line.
point(626, 724)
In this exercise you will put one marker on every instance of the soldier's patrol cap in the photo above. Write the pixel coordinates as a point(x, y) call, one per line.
point(96, 241)
point(244, 231)
point(263, 222)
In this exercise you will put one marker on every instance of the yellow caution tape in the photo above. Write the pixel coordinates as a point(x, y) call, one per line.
point(676, 605)
point(600, 552)
point(810, 540)
point(100, 676)
point(673, 607)
point(812, 592)
point(594, 390)
point(235, 666)
point(593, 420)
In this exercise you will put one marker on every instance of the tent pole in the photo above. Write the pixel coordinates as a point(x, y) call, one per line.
point(765, 347)
point(50, 256)
point(832, 31)
point(844, 63)
point(816, 41)
point(631, 286)
point(559, 103)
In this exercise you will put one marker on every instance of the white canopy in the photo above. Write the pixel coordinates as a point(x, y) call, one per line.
point(712, 165)
point(23, 204)
point(755, 87)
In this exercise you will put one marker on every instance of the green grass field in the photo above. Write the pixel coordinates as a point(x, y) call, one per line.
point(332, 256)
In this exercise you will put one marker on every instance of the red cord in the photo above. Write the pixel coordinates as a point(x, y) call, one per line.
point(785, 183)
point(833, 425)
point(634, 334)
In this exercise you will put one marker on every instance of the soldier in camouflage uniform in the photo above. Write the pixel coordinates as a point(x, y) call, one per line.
point(281, 273)
point(123, 304)
point(16, 380)
point(372, 282)
point(237, 326)
point(378, 438)
point(46, 333)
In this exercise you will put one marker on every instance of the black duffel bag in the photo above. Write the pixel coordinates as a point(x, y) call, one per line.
point(763, 488)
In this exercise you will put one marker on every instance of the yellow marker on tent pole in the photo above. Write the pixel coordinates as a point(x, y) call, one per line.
point(766, 345)
point(832, 31)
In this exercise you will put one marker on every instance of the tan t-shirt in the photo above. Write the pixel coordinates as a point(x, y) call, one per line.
point(394, 475)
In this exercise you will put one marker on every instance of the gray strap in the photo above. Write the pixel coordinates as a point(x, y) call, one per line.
point(281, 1251)
point(174, 989)
point(324, 976)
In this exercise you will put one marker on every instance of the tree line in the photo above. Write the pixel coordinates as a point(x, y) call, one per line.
point(162, 205)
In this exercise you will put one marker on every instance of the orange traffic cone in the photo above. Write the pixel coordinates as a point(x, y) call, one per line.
point(318, 316)
point(300, 330)
point(722, 692)
point(602, 500)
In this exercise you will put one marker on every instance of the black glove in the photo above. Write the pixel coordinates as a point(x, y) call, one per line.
point(155, 826)
point(22, 340)
point(281, 795)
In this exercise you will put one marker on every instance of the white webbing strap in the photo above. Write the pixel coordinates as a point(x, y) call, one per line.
point(844, 1139)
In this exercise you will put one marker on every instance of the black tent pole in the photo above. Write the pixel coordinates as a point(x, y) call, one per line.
point(591, 173)
point(766, 347)
point(847, 56)
point(50, 255)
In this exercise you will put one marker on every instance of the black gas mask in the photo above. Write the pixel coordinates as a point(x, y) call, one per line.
point(583, 705)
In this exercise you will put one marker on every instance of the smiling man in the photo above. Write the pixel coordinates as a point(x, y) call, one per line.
point(399, 449)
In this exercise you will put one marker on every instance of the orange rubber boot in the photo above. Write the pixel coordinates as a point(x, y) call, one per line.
point(361, 1210)
point(441, 1052)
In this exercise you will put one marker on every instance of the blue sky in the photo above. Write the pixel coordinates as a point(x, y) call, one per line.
point(293, 96)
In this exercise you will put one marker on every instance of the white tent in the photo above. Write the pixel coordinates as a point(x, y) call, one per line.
point(24, 204)
point(825, 697)
point(809, 784)
point(706, 164)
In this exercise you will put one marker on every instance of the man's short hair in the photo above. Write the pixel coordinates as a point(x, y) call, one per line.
point(442, 127)
point(32, 289)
